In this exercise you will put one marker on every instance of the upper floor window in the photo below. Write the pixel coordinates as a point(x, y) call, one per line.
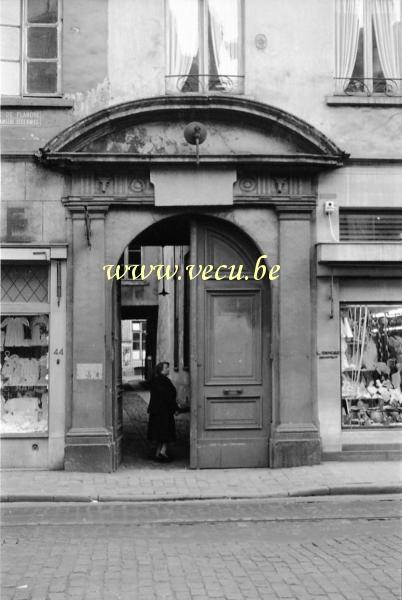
point(368, 40)
point(204, 46)
point(30, 47)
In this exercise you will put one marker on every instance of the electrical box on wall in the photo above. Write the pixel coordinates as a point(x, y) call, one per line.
point(329, 207)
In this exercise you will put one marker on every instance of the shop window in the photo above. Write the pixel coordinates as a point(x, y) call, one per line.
point(24, 283)
point(371, 363)
point(31, 42)
point(24, 373)
point(368, 47)
point(370, 226)
point(204, 46)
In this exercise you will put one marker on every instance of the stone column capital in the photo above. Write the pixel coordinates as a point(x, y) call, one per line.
point(295, 210)
point(96, 209)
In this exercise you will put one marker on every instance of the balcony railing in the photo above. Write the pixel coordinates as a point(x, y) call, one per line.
point(226, 84)
point(365, 86)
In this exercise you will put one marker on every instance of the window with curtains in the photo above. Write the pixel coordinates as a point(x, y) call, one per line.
point(368, 39)
point(30, 47)
point(204, 46)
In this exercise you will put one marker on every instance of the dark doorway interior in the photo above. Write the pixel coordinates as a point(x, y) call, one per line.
point(159, 311)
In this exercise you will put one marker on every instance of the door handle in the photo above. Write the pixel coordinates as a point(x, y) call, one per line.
point(227, 392)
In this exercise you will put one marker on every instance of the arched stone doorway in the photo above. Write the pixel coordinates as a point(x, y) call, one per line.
point(128, 167)
point(220, 359)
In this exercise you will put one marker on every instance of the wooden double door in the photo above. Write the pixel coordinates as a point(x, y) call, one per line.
point(230, 340)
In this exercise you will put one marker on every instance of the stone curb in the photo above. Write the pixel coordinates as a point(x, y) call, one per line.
point(337, 490)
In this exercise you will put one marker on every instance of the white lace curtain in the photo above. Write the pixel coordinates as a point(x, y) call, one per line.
point(225, 35)
point(347, 25)
point(387, 26)
point(182, 40)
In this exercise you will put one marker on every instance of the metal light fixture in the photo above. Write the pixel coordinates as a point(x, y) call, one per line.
point(195, 134)
point(163, 292)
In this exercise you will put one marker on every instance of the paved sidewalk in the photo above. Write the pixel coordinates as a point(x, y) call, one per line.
point(169, 482)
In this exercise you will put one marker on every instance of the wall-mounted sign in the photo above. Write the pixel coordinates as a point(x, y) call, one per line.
point(195, 186)
point(21, 118)
point(328, 354)
point(92, 371)
point(17, 223)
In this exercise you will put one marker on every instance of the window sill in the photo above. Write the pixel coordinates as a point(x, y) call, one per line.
point(34, 101)
point(363, 100)
point(25, 434)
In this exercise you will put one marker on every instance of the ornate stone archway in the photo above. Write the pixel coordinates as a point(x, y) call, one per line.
point(129, 165)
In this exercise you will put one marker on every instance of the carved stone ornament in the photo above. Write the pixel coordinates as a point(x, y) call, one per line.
point(136, 185)
point(104, 183)
point(248, 184)
point(281, 185)
point(260, 41)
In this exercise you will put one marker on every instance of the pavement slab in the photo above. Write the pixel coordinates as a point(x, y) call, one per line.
point(173, 482)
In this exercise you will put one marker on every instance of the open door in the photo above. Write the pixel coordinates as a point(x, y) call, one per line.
point(231, 405)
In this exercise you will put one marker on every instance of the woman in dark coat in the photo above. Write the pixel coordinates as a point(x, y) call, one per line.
point(162, 408)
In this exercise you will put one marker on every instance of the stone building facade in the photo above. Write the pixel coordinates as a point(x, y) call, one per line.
point(233, 130)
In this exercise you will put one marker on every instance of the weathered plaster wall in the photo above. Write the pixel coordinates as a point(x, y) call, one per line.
point(85, 30)
point(30, 203)
point(136, 56)
point(224, 137)
point(295, 72)
point(28, 128)
point(114, 51)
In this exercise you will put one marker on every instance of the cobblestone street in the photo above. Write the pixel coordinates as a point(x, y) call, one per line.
point(338, 549)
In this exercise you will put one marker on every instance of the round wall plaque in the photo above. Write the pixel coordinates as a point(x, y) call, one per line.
point(261, 41)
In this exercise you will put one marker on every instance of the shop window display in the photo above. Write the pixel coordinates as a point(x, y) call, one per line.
point(24, 374)
point(371, 363)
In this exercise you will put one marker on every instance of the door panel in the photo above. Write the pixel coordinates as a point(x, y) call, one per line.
point(233, 411)
point(230, 367)
point(233, 335)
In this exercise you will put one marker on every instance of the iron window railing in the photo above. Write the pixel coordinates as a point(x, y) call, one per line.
point(366, 86)
point(228, 84)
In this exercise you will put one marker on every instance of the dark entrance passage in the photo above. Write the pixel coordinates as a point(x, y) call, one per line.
point(154, 328)
point(137, 450)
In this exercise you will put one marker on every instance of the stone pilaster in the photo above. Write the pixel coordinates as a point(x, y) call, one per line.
point(295, 439)
point(89, 443)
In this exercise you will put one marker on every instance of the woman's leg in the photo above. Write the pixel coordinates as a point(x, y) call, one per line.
point(163, 449)
point(158, 449)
